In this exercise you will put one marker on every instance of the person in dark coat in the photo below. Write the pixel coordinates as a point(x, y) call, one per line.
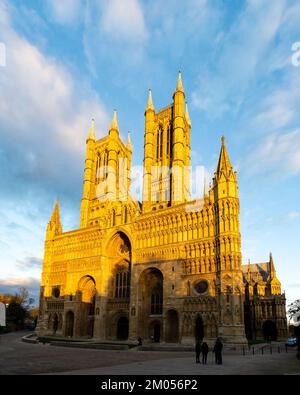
point(204, 351)
point(198, 351)
point(218, 351)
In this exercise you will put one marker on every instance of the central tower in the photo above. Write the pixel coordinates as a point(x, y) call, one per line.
point(167, 153)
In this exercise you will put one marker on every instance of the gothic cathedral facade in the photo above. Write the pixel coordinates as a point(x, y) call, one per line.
point(168, 269)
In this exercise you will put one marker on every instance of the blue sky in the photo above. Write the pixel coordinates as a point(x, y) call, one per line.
point(68, 61)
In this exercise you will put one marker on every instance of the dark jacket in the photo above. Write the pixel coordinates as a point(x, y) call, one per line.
point(204, 348)
point(198, 348)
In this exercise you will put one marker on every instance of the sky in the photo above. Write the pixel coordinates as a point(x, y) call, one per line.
point(65, 62)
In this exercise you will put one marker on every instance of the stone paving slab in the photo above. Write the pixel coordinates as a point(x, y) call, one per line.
point(17, 357)
point(275, 364)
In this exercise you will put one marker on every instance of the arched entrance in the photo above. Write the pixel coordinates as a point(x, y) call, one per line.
point(87, 289)
point(270, 330)
point(122, 328)
point(172, 335)
point(119, 255)
point(199, 328)
point(155, 331)
point(55, 323)
point(150, 292)
point(69, 324)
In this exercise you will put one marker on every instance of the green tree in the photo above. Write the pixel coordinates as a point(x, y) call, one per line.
point(16, 315)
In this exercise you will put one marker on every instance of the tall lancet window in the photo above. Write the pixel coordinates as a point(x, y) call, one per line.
point(159, 143)
point(169, 142)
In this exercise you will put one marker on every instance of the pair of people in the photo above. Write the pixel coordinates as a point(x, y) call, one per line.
point(201, 348)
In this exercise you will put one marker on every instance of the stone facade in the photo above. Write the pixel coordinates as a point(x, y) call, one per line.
point(168, 269)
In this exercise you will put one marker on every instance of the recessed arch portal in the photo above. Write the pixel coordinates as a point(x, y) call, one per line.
point(172, 335)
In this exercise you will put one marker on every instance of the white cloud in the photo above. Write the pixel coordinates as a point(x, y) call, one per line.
point(239, 54)
point(278, 153)
point(40, 100)
point(279, 108)
point(20, 282)
point(293, 214)
point(64, 11)
point(45, 113)
point(123, 20)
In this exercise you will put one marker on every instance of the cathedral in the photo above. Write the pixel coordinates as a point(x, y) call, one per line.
point(167, 269)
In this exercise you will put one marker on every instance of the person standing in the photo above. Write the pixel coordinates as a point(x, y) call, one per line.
point(198, 351)
point(218, 351)
point(204, 351)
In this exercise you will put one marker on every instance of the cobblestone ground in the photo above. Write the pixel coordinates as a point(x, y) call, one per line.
point(22, 358)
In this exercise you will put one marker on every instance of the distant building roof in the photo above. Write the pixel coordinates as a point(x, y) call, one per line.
point(259, 272)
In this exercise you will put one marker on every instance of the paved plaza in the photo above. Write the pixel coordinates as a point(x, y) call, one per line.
point(17, 357)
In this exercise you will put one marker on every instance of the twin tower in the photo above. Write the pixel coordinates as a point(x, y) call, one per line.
point(166, 178)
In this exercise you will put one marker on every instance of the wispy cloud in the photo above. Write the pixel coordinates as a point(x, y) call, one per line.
point(30, 262)
point(123, 20)
point(239, 54)
point(278, 153)
point(293, 214)
point(49, 115)
point(64, 12)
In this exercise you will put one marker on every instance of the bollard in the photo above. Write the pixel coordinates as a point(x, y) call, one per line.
point(253, 350)
point(270, 349)
point(262, 351)
point(278, 349)
point(243, 350)
point(286, 349)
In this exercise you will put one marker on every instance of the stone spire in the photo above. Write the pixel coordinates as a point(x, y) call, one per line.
point(128, 144)
point(54, 226)
point(272, 268)
point(92, 131)
point(187, 115)
point(114, 123)
point(150, 102)
point(179, 87)
point(224, 165)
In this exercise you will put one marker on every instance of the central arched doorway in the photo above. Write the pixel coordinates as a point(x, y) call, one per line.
point(172, 335)
point(270, 330)
point(199, 328)
point(87, 290)
point(150, 303)
point(69, 331)
point(119, 256)
point(122, 328)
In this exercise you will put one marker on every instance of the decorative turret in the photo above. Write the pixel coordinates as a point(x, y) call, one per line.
point(150, 102)
point(92, 131)
point(88, 171)
point(54, 227)
point(179, 87)
point(179, 145)
point(114, 128)
point(224, 165)
point(148, 151)
point(228, 250)
point(225, 182)
point(273, 284)
point(128, 143)
point(272, 271)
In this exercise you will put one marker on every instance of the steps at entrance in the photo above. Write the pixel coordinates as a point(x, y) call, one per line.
point(95, 346)
point(166, 347)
